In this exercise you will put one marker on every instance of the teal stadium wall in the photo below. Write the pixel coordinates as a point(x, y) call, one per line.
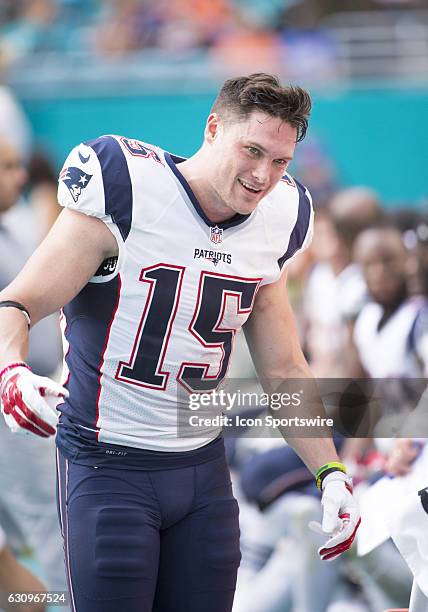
point(377, 137)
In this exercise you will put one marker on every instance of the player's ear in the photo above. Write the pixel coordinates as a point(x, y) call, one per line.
point(212, 127)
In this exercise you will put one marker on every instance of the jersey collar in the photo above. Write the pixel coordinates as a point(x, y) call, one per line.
point(172, 160)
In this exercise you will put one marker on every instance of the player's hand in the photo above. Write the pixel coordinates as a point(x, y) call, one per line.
point(402, 456)
point(341, 517)
point(28, 401)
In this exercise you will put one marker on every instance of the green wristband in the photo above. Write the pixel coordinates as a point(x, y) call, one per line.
point(333, 466)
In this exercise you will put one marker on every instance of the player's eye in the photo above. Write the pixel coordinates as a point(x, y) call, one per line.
point(253, 150)
point(281, 162)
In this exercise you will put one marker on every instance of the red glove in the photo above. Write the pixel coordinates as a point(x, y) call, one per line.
point(341, 517)
point(29, 401)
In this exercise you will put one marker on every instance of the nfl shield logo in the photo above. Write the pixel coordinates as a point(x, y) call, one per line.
point(216, 234)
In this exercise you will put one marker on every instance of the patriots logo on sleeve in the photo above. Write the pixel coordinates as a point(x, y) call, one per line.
point(76, 180)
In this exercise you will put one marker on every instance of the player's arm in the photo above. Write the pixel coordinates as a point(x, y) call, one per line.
point(274, 344)
point(275, 347)
point(63, 263)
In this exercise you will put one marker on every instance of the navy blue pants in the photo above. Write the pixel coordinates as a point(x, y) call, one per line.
point(142, 541)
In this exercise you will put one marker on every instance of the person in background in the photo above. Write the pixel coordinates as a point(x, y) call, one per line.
point(16, 579)
point(414, 433)
point(27, 467)
point(385, 327)
point(386, 342)
point(336, 291)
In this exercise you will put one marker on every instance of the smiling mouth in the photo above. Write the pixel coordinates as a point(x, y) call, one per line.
point(248, 187)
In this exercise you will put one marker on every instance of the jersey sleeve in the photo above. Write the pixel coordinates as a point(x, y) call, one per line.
point(302, 232)
point(95, 181)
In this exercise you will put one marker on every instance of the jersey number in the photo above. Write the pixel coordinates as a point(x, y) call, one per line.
point(207, 326)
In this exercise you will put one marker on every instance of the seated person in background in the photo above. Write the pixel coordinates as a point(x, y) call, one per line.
point(385, 326)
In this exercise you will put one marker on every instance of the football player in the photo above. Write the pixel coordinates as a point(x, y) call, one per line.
point(157, 261)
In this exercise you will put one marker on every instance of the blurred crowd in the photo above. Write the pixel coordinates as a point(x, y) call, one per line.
point(360, 294)
point(270, 32)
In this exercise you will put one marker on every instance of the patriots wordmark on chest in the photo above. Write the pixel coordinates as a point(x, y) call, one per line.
point(214, 256)
point(216, 234)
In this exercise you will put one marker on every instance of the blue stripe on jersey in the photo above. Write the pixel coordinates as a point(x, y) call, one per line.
point(237, 219)
point(89, 316)
point(117, 182)
point(301, 227)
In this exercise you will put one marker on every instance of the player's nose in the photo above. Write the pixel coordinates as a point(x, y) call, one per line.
point(261, 172)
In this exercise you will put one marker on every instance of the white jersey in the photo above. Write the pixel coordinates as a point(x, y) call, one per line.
point(161, 318)
point(388, 352)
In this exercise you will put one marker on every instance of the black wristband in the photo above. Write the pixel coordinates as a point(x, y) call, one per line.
point(12, 304)
point(326, 473)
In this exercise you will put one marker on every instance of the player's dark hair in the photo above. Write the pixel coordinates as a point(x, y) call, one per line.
point(263, 92)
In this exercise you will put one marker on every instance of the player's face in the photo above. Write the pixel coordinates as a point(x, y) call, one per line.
point(12, 176)
point(248, 158)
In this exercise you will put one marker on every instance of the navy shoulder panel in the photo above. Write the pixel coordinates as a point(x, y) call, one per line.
point(301, 227)
point(116, 180)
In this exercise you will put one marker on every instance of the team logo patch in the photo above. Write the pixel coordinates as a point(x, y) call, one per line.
point(76, 180)
point(216, 234)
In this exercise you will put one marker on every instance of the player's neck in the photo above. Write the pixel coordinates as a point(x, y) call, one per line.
point(193, 171)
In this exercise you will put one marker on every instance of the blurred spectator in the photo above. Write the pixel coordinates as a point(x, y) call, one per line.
point(195, 23)
point(14, 125)
point(388, 348)
point(417, 276)
point(282, 35)
point(120, 31)
point(417, 267)
point(15, 578)
point(247, 46)
point(27, 503)
point(384, 326)
point(405, 450)
point(20, 233)
point(8, 10)
point(31, 31)
point(42, 187)
point(335, 291)
point(308, 52)
point(264, 13)
point(175, 25)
